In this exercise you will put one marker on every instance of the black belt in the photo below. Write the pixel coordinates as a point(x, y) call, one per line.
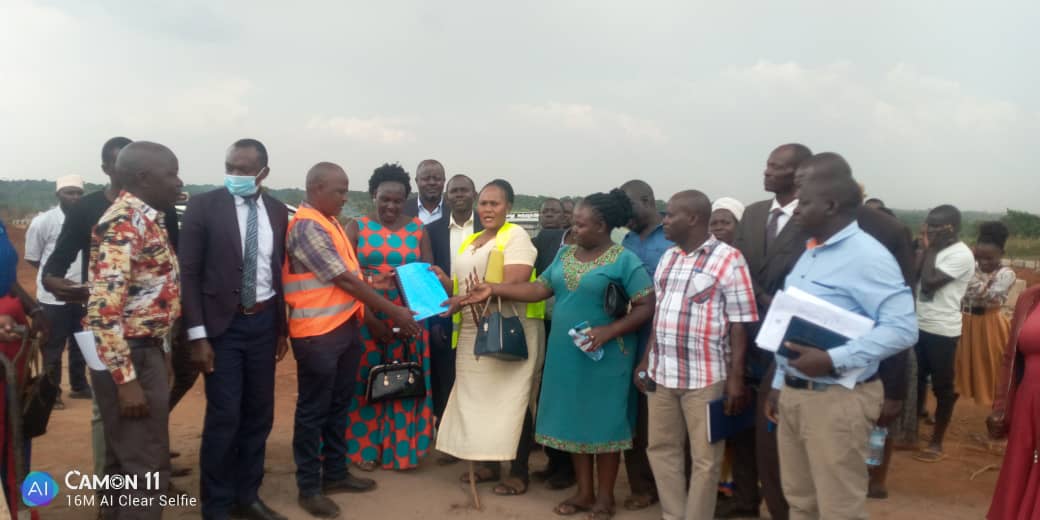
point(144, 342)
point(805, 384)
point(977, 311)
point(257, 308)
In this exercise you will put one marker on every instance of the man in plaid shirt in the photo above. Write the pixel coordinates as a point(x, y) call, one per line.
point(696, 355)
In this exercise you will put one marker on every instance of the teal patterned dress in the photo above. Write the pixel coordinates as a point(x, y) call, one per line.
point(587, 406)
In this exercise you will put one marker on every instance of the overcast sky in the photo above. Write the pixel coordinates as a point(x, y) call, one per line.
point(930, 101)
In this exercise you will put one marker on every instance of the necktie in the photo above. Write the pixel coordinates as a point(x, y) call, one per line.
point(772, 226)
point(249, 257)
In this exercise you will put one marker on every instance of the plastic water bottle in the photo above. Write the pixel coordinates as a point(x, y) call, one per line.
point(579, 334)
point(876, 446)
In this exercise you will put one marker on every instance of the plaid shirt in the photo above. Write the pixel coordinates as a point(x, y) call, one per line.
point(311, 250)
point(698, 295)
point(136, 291)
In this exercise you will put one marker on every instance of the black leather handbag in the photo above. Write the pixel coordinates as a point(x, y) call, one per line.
point(501, 338)
point(395, 380)
point(615, 300)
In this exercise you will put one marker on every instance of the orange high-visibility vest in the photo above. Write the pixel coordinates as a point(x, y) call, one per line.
point(317, 307)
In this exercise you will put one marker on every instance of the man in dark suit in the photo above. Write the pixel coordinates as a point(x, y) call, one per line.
point(771, 242)
point(232, 251)
point(446, 236)
point(429, 204)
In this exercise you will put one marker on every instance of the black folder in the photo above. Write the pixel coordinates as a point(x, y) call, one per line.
point(807, 333)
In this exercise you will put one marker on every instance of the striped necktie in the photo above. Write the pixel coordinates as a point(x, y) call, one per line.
point(249, 257)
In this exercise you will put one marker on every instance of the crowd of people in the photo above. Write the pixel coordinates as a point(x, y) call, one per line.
point(667, 319)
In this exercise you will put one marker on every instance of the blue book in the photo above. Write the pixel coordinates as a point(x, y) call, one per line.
point(722, 426)
point(807, 333)
point(422, 291)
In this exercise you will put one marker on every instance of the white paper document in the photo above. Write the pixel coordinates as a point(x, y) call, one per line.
point(85, 340)
point(795, 302)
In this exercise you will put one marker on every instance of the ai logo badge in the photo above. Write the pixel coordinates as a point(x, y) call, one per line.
point(39, 489)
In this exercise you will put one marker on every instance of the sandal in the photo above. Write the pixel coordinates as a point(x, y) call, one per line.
point(640, 502)
point(367, 465)
point(482, 473)
point(569, 508)
point(509, 487)
point(929, 455)
point(601, 514)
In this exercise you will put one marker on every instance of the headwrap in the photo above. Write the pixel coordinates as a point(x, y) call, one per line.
point(733, 205)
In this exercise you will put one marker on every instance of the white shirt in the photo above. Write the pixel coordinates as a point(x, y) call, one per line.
point(458, 232)
point(264, 254)
point(427, 216)
point(39, 244)
point(785, 216)
point(941, 314)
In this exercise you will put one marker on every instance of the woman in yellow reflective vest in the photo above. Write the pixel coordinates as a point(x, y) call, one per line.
point(486, 411)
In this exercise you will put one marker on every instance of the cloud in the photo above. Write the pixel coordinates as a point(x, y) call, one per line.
point(590, 120)
point(375, 130)
point(211, 104)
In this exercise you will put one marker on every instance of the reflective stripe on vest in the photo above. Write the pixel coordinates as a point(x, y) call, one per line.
point(534, 310)
point(317, 307)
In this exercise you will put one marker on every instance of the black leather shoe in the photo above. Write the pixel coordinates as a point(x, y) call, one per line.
point(320, 506)
point(256, 511)
point(729, 509)
point(351, 484)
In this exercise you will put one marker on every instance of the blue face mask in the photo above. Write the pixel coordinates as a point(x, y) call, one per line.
point(241, 185)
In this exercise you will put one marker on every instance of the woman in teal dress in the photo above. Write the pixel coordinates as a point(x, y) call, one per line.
point(586, 406)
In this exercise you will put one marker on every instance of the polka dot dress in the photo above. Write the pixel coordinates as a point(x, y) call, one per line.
point(395, 434)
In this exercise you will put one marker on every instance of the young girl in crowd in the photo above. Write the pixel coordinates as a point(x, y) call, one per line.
point(985, 329)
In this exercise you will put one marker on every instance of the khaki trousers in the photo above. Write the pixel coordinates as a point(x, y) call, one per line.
point(822, 441)
point(673, 414)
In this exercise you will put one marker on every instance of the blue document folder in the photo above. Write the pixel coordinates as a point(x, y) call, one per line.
point(722, 426)
point(422, 291)
point(807, 333)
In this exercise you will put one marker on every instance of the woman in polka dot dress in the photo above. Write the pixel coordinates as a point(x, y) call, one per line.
point(392, 434)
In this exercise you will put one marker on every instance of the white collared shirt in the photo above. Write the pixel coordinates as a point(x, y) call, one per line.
point(427, 216)
point(459, 232)
point(40, 240)
point(264, 254)
point(785, 217)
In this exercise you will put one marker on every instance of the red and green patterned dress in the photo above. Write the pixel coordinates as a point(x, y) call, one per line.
point(394, 434)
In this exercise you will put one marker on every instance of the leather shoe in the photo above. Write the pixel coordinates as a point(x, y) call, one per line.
point(320, 506)
point(350, 484)
point(729, 509)
point(256, 511)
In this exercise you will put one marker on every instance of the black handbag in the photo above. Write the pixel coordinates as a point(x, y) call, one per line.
point(395, 380)
point(615, 300)
point(501, 338)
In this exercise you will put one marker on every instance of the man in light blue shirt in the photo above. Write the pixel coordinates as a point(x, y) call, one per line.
point(824, 427)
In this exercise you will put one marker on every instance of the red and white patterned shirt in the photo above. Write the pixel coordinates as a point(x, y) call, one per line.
point(698, 295)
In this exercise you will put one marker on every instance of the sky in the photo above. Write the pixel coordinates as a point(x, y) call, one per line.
point(931, 102)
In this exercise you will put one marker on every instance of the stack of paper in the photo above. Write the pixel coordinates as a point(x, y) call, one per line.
point(795, 302)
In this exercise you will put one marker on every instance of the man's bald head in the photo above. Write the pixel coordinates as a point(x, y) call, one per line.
point(327, 188)
point(831, 175)
point(686, 218)
point(695, 202)
point(149, 171)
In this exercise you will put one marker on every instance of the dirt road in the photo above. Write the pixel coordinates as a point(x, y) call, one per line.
point(919, 491)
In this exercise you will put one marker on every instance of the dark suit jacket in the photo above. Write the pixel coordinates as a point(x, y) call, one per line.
point(768, 268)
point(440, 239)
point(211, 260)
point(411, 208)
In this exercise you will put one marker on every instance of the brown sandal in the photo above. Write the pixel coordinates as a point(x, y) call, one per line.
point(509, 487)
point(569, 509)
point(640, 502)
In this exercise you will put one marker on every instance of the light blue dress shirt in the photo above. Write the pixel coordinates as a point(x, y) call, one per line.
point(855, 272)
point(650, 250)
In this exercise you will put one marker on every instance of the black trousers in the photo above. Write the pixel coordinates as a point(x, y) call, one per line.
point(767, 453)
point(936, 356)
point(64, 320)
point(137, 446)
point(442, 363)
point(239, 413)
point(327, 370)
point(184, 372)
point(637, 465)
point(745, 466)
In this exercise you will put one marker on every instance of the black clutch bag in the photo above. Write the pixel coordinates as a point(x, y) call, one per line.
point(501, 338)
point(395, 380)
point(615, 300)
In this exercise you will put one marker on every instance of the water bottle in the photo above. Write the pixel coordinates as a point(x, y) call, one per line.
point(579, 334)
point(876, 446)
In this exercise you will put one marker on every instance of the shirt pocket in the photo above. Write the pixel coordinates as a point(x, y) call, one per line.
point(701, 288)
